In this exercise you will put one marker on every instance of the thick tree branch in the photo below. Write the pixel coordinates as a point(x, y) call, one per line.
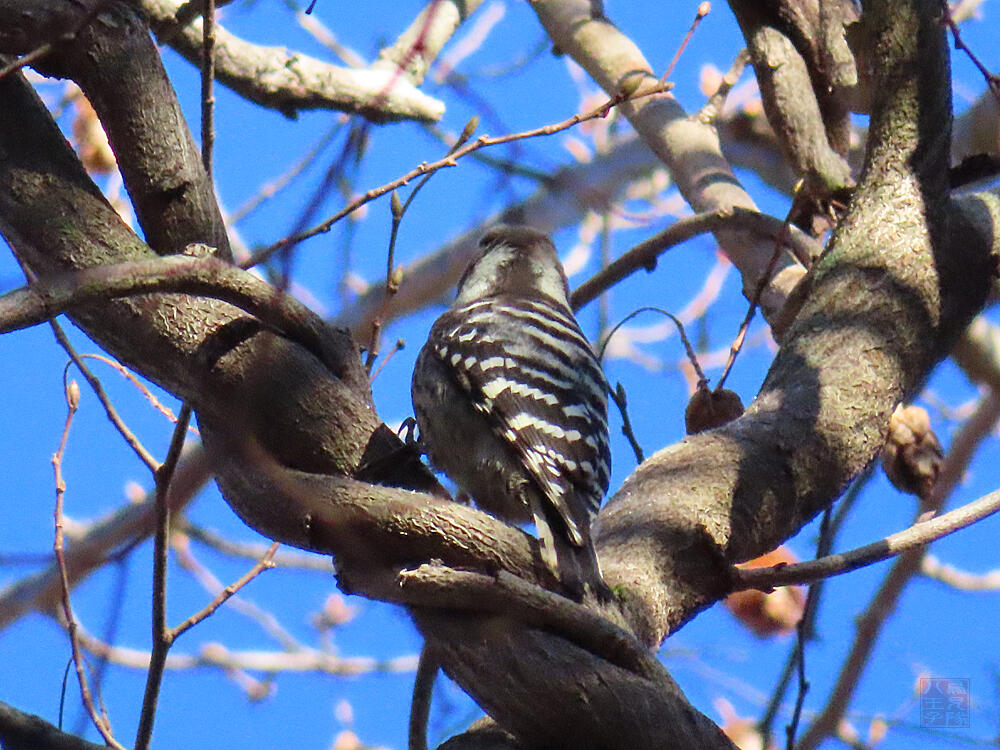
point(291, 82)
point(200, 349)
point(805, 72)
point(273, 77)
point(886, 300)
point(687, 145)
point(417, 47)
point(21, 731)
point(201, 276)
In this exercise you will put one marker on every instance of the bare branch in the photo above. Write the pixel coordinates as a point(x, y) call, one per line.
point(290, 82)
point(205, 276)
point(420, 704)
point(931, 567)
point(100, 722)
point(128, 436)
point(418, 46)
point(917, 535)
point(869, 625)
point(688, 146)
point(450, 160)
point(21, 731)
point(644, 254)
point(263, 564)
point(217, 656)
point(162, 635)
point(125, 527)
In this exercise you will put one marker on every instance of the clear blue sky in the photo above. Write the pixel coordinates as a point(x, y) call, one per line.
point(935, 630)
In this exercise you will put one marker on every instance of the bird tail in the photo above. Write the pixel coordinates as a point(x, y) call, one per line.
point(574, 564)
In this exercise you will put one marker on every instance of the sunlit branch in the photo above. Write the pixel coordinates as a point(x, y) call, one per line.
point(207, 276)
point(645, 254)
point(289, 81)
point(917, 535)
point(451, 160)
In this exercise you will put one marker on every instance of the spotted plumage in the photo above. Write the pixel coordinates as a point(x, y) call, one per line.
point(512, 403)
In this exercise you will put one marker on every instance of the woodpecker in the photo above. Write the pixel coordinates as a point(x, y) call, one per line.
point(512, 404)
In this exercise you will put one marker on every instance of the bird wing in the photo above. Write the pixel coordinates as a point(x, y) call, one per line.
point(532, 374)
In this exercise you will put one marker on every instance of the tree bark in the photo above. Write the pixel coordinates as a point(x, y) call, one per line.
point(290, 433)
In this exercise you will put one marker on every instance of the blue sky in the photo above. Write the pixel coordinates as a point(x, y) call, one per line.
point(936, 630)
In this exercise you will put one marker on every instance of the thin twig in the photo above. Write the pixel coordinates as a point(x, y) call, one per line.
point(392, 278)
point(618, 395)
point(128, 436)
point(265, 563)
point(72, 404)
point(917, 535)
point(114, 608)
point(182, 16)
point(829, 528)
point(186, 560)
point(450, 160)
point(161, 633)
point(762, 283)
point(692, 357)
point(398, 346)
point(869, 625)
point(620, 398)
point(423, 693)
point(992, 79)
point(146, 393)
point(703, 10)
point(803, 633)
point(207, 82)
point(645, 254)
point(800, 697)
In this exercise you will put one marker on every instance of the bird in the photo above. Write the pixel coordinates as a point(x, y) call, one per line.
point(512, 404)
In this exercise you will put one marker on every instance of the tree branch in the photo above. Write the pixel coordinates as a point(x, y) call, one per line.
point(21, 731)
point(917, 535)
point(202, 276)
point(688, 146)
point(125, 527)
point(291, 82)
point(644, 254)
